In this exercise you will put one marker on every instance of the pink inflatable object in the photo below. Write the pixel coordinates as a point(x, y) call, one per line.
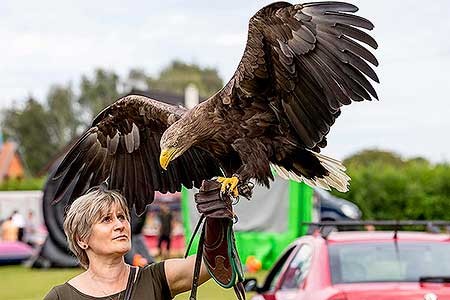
point(14, 252)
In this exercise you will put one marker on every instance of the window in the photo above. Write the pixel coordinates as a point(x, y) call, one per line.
point(388, 262)
point(298, 268)
point(274, 274)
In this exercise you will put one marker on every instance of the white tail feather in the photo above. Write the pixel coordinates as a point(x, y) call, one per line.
point(336, 178)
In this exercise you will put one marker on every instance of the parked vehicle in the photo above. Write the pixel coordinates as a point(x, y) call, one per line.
point(360, 265)
point(333, 208)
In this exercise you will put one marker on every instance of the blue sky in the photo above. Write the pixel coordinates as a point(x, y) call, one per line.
point(47, 42)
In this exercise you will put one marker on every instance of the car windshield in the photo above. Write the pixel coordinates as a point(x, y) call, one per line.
point(388, 261)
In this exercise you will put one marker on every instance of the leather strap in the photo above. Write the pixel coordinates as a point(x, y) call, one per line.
point(198, 264)
point(239, 290)
point(202, 217)
point(130, 283)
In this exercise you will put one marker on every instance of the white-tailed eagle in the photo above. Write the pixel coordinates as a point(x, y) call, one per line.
point(301, 64)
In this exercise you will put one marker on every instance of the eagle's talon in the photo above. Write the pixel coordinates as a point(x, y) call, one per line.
point(230, 185)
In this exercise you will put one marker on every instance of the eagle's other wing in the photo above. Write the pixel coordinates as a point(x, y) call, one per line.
point(305, 61)
point(122, 147)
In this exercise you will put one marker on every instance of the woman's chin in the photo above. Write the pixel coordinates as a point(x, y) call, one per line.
point(126, 249)
point(123, 249)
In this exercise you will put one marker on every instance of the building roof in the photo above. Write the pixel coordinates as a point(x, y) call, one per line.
point(10, 163)
point(168, 97)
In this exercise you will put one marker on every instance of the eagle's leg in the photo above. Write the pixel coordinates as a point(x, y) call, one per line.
point(230, 184)
point(236, 187)
point(245, 189)
point(254, 164)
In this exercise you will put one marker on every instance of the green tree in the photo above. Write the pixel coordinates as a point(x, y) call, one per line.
point(386, 187)
point(178, 75)
point(137, 80)
point(63, 120)
point(371, 156)
point(29, 128)
point(98, 92)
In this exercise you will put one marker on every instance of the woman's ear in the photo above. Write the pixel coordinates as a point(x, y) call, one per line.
point(82, 244)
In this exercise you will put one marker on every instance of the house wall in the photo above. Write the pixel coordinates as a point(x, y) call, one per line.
point(15, 169)
point(10, 163)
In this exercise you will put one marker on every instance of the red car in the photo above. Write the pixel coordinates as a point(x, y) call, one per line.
point(361, 265)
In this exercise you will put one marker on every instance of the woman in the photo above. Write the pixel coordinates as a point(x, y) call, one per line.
point(97, 226)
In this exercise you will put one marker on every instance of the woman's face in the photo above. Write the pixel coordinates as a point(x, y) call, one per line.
point(112, 234)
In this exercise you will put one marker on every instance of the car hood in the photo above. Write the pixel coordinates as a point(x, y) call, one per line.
point(395, 291)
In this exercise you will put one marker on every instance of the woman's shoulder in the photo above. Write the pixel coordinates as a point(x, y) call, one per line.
point(154, 273)
point(153, 280)
point(58, 292)
point(153, 269)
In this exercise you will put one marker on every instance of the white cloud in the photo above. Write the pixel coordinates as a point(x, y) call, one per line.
point(232, 39)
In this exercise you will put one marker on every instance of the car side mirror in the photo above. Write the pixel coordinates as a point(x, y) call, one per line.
point(250, 285)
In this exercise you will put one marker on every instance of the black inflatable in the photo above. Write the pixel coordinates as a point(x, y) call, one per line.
point(55, 252)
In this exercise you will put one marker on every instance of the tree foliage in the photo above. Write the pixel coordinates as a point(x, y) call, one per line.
point(387, 187)
point(63, 122)
point(178, 75)
point(99, 91)
point(371, 156)
point(175, 78)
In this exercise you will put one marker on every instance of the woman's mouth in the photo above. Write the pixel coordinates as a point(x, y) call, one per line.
point(121, 237)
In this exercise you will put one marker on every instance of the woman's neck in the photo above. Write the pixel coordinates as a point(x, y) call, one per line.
point(108, 270)
point(103, 277)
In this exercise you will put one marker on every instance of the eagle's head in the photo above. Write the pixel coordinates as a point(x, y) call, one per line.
point(175, 141)
point(192, 129)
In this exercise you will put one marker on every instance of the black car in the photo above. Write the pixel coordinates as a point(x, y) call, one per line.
point(332, 208)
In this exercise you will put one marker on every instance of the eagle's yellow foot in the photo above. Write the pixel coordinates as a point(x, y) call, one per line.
point(230, 184)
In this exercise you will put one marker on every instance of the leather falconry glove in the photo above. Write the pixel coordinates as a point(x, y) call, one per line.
point(217, 244)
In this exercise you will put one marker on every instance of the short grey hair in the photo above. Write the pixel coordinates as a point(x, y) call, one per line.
point(84, 212)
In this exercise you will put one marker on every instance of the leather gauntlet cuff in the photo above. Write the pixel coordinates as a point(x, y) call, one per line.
point(211, 203)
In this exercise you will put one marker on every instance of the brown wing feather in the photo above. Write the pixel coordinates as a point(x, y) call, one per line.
point(123, 148)
point(307, 60)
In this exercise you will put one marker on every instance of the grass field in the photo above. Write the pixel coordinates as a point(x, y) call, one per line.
point(21, 283)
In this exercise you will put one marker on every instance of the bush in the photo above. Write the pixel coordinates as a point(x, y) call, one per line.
point(413, 190)
point(23, 184)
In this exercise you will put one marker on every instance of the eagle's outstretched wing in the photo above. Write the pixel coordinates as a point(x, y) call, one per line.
point(304, 61)
point(122, 147)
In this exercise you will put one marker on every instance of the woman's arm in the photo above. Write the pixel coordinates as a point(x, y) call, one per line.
point(179, 274)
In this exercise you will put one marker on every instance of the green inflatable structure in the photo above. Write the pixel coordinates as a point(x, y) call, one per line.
point(267, 223)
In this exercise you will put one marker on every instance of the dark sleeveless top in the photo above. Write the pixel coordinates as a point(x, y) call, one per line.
point(151, 284)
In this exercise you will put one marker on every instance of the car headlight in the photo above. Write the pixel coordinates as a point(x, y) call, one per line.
point(350, 211)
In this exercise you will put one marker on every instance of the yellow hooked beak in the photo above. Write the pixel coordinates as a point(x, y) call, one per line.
point(166, 156)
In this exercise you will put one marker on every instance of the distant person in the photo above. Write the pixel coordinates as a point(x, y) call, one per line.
point(97, 226)
point(30, 230)
point(9, 230)
point(370, 227)
point(19, 221)
point(165, 229)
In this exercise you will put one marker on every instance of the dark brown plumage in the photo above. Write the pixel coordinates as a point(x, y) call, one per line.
point(301, 64)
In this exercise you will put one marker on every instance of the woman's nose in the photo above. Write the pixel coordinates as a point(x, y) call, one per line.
point(118, 224)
